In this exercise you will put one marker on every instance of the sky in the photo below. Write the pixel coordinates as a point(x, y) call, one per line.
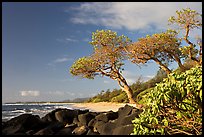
point(41, 40)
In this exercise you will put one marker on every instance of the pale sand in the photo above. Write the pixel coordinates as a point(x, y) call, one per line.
point(100, 107)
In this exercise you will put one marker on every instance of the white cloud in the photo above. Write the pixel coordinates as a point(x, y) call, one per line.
point(30, 93)
point(130, 15)
point(66, 40)
point(60, 60)
point(71, 40)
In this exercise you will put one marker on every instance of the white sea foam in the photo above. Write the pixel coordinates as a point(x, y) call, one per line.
point(41, 109)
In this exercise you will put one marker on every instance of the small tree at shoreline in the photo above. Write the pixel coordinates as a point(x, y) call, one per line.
point(106, 60)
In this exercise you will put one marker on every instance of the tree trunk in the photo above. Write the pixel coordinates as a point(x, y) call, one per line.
point(124, 86)
point(179, 63)
point(129, 93)
point(164, 67)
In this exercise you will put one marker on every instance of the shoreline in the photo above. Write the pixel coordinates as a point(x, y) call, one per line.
point(94, 107)
point(82, 119)
point(100, 106)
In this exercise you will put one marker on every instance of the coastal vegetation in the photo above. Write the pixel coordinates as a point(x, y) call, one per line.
point(172, 100)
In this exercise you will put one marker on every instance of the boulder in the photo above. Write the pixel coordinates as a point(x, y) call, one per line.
point(81, 111)
point(30, 132)
point(126, 120)
point(52, 128)
point(98, 126)
point(123, 130)
point(85, 118)
point(107, 128)
point(50, 117)
point(135, 110)
point(91, 132)
point(107, 116)
point(76, 121)
point(45, 131)
point(92, 123)
point(65, 115)
point(82, 130)
point(124, 111)
point(64, 131)
point(22, 124)
point(71, 126)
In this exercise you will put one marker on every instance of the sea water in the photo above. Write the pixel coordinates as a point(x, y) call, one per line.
point(41, 109)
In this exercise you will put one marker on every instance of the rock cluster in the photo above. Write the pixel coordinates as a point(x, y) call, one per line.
point(73, 122)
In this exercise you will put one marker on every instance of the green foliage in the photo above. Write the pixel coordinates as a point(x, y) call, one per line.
point(138, 87)
point(173, 106)
point(187, 17)
point(84, 67)
point(108, 38)
point(121, 98)
point(187, 20)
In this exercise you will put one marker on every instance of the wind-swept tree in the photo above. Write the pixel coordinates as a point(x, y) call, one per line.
point(106, 60)
point(162, 48)
point(188, 20)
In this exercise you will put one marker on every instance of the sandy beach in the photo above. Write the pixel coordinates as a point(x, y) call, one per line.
point(100, 107)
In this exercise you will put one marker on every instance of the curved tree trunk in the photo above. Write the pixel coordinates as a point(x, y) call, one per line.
point(164, 67)
point(129, 93)
point(124, 86)
point(181, 66)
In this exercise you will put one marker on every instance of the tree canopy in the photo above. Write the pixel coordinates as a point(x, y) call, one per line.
point(188, 20)
point(106, 60)
point(162, 48)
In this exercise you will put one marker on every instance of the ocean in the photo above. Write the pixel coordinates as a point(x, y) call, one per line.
point(12, 110)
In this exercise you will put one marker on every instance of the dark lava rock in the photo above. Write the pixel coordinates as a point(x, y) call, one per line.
point(82, 130)
point(22, 124)
point(98, 126)
point(91, 123)
point(107, 128)
point(45, 131)
point(91, 132)
point(50, 129)
point(71, 126)
point(64, 131)
point(123, 130)
point(50, 117)
point(65, 115)
point(85, 118)
point(126, 120)
point(107, 116)
point(124, 111)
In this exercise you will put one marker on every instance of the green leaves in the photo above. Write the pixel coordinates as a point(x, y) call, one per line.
point(108, 38)
point(84, 67)
point(176, 99)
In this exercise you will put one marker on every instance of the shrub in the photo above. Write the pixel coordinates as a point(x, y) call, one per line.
point(120, 98)
point(174, 106)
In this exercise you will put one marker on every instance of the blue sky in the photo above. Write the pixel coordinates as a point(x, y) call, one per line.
point(40, 42)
